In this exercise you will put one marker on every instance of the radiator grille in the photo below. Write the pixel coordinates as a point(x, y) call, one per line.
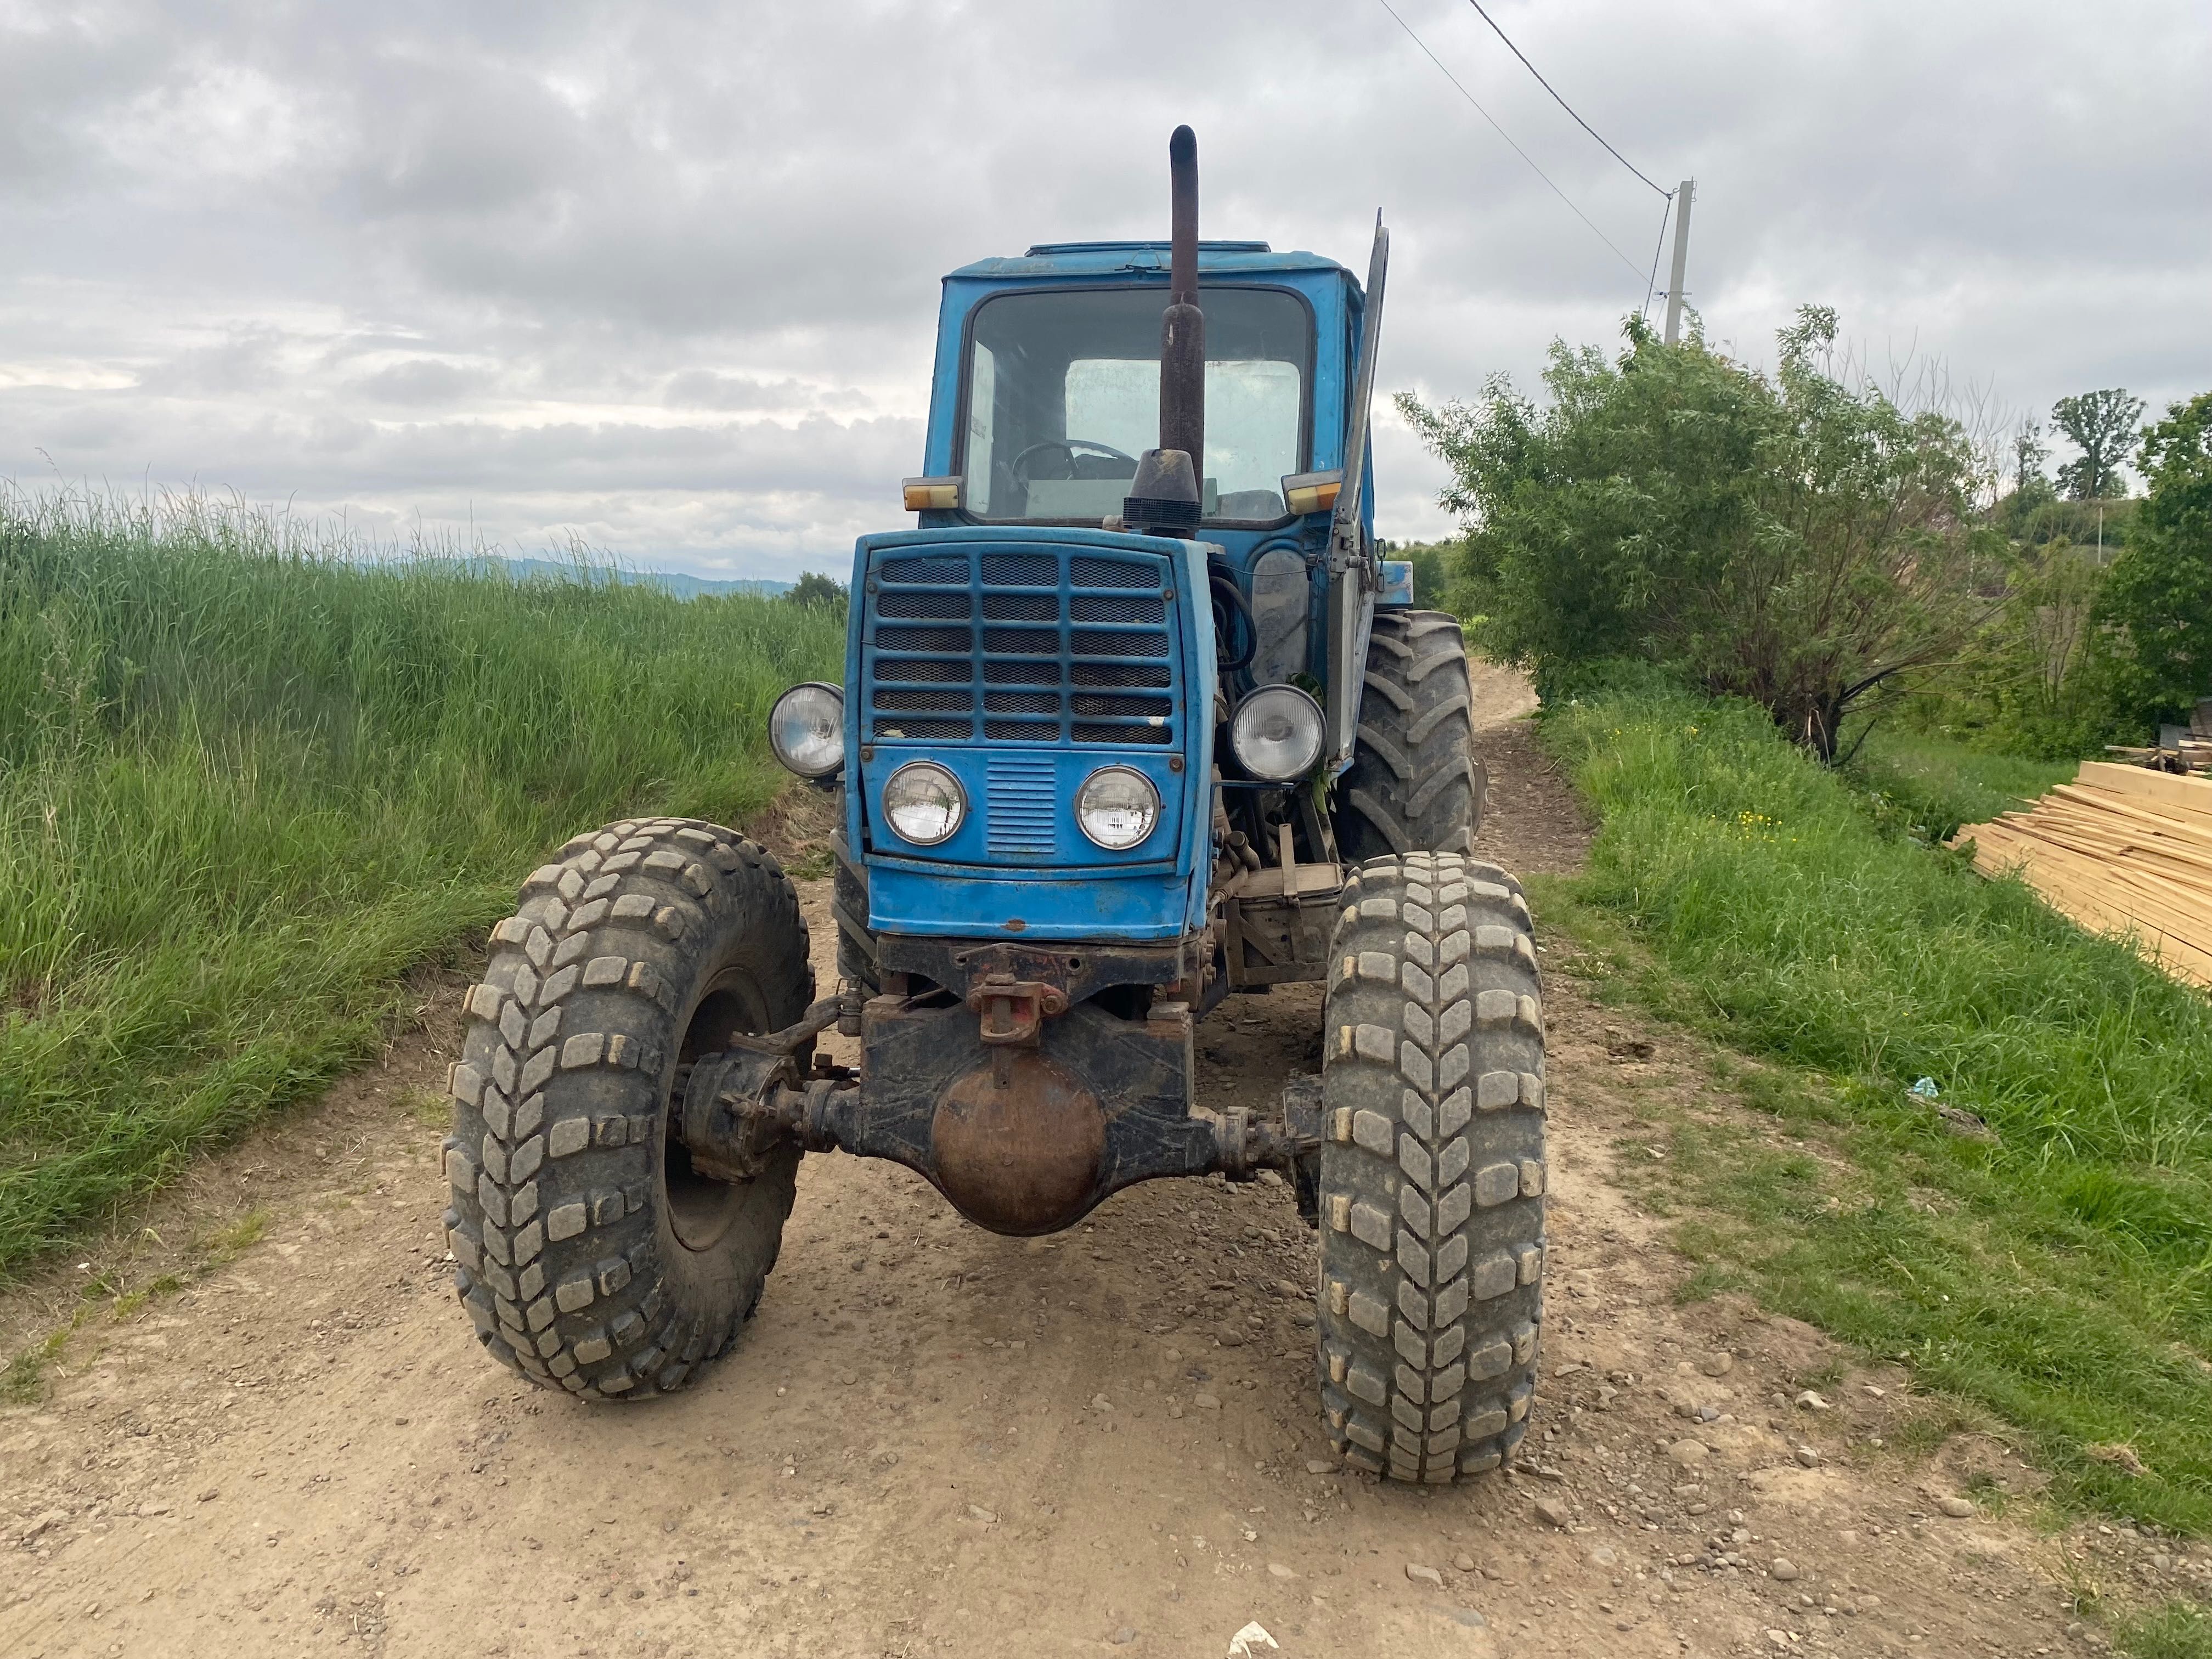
point(1031, 635)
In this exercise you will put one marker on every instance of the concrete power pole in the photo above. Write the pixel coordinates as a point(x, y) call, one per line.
point(1681, 259)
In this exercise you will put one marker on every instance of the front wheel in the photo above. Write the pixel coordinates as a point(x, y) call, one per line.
point(1432, 1178)
point(592, 1256)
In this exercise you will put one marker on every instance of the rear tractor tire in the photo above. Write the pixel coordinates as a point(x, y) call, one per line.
point(1432, 1170)
point(592, 1256)
point(1414, 784)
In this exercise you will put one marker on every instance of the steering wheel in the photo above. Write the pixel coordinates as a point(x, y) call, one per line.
point(1020, 465)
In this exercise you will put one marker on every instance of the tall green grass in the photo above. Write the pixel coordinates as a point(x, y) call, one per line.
point(2060, 1275)
point(1939, 785)
point(248, 777)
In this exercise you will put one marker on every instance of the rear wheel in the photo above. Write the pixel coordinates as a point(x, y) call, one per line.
point(1432, 1174)
point(1414, 784)
point(592, 1256)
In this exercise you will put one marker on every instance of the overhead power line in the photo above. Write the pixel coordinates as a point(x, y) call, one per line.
point(1633, 267)
point(1561, 101)
point(1652, 282)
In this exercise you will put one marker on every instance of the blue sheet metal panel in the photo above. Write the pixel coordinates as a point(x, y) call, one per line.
point(971, 888)
point(1004, 828)
point(959, 904)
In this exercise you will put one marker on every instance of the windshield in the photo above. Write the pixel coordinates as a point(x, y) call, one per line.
point(1064, 393)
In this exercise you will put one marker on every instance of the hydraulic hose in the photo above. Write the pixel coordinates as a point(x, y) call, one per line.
point(1226, 592)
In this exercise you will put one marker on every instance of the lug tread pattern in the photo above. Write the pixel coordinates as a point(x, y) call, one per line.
point(1414, 784)
point(1432, 1171)
point(567, 1047)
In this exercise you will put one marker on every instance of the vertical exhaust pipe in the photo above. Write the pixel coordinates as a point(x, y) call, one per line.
point(1183, 327)
point(1165, 496)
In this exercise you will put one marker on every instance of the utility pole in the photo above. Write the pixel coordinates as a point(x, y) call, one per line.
point(1682, 195)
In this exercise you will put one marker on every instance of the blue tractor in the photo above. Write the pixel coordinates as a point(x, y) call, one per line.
point(1134, 719)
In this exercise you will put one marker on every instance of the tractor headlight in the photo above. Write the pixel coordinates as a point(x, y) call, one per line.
point(1117, 807)
point(924, 802)
point(806, 729)
point(1276, 733)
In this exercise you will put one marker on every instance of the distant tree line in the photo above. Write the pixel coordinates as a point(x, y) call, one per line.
point(1827, 547)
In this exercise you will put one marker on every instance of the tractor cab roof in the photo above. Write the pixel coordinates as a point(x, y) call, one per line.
point(1141, 258)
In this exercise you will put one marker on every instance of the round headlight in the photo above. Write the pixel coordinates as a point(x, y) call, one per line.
point(1276, 733)
point(924, 802)
point(806, 729)
point(1117, 807)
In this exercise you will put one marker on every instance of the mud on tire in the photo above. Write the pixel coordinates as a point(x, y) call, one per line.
point(1432, 1173)
point(591, 1258)
point(1414, 784)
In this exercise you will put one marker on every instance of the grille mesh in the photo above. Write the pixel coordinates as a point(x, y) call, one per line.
point(1108, 573)
point(1023, 703)
point(931, 606)
point(926, 702)
point(924, 639)
point(1021, 570)
point(1021, 673)
point(1119, 673)
point(1021, 607)
point(1085, 642)
point(1115, 608)
point(924, 669)
point(1022, 731)
point(940, 571)
point(1122, 708)
point(1122, 733)
point(1028, 641)
point(922, 731)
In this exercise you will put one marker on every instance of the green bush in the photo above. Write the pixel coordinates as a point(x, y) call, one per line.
point(248, 778)
point(1795, 538)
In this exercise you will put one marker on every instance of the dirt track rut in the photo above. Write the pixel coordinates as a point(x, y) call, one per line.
point(932, 1440)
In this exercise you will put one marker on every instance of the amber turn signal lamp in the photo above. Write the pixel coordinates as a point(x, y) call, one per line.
point(1312, 492)
point(924, 495)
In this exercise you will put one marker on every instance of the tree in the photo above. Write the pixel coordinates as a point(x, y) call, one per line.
point(2158, 594)
point(2029, 453)
point(2102, 425)
point(815, 589)
point(1789, 539)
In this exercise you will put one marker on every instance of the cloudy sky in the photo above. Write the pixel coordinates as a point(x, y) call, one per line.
point(665, 275)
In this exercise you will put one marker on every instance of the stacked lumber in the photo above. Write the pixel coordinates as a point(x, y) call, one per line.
point(2121, 849)
point(2180, 748)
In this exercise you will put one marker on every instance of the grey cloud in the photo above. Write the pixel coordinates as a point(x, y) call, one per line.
point(665, 272)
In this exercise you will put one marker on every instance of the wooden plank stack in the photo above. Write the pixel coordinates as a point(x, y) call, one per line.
point(2121, 849)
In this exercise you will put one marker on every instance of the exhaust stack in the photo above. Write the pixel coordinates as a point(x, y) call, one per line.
point(1165, 496)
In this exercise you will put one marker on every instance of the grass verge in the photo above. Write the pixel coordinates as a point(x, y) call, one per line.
point(1934, 785)
point(248, 779)
point(2055, 1268)
point(2179, 1629)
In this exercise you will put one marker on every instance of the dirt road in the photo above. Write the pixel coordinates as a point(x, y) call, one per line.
point(934, 1440)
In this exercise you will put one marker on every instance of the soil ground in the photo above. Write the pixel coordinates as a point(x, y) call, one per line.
point(934, 1440)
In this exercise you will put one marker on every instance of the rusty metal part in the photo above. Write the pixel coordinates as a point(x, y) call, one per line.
point(1012, 1011)
point(1022, 1140)
point(1079, 971)
point(791, 1038)
point(1017, 1143)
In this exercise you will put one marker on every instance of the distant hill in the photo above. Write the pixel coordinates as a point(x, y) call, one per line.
point(668, 581)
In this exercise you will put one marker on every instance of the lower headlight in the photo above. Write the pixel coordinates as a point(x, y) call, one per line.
point(1117, 807)
point(1276, 733)
point(806, 729)
point(924, 802)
